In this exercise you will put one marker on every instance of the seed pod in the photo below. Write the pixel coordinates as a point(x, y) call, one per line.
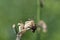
point(41, 3)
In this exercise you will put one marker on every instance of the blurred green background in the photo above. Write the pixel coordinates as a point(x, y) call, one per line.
point(12, 11)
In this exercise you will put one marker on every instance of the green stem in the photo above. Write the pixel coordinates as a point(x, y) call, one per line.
point(38, 18)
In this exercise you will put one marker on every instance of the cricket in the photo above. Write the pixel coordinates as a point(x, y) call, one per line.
point(28, 25)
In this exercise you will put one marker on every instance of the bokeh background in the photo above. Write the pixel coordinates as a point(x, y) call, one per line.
point(12, 11)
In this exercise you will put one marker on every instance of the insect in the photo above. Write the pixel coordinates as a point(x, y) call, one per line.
point(28, 25)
